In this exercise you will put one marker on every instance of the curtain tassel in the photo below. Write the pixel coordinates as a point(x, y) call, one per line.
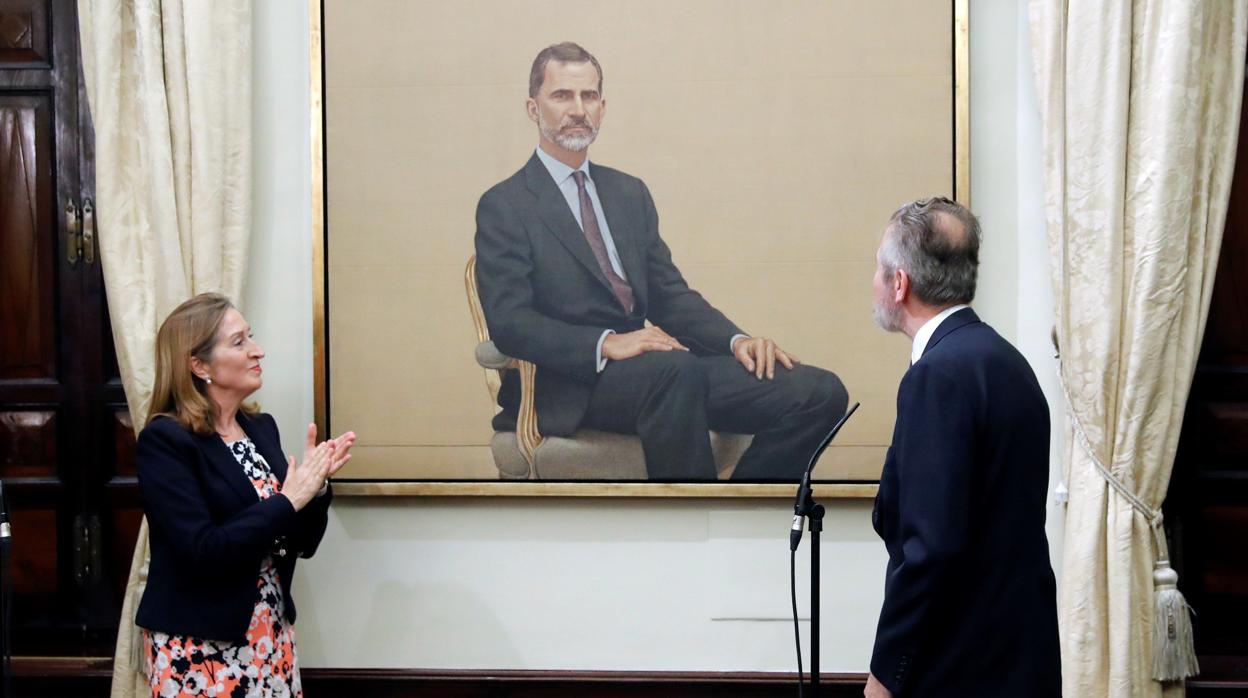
point(1174, 652)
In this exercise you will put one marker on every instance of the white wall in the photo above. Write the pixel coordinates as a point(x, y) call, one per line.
point(278, 297)
point(649, 584)
point(1007, 191)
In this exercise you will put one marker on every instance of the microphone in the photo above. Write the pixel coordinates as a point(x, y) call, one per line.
point(802, 506)
point(799, 519)
point(6, 532)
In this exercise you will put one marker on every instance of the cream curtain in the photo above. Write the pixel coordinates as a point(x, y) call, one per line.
point(169, 83)
point(1140, 106)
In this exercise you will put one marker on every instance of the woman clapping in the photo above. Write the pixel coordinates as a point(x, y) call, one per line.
point(228, 513)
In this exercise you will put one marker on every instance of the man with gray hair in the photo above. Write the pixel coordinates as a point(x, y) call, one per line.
point(970, 605)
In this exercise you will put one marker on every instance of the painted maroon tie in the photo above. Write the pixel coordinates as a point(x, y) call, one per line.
point(589, 225)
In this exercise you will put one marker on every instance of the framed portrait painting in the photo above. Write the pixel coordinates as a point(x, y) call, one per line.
point(774, 141)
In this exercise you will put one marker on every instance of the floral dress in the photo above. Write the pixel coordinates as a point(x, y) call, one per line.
point(266, 665)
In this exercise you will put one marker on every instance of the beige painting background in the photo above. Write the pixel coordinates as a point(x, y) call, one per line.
point(776, 139)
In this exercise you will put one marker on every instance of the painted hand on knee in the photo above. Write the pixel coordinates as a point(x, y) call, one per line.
point(620, 346)
point(759, 356)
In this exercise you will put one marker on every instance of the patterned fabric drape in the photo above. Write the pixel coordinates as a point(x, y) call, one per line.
point(1140, 104)
point(169, 84)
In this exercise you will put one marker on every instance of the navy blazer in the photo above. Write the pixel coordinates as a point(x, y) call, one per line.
point(546, 299)
point(210, 532)
point(970, 602)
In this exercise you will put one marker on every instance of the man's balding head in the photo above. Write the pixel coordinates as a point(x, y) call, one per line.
point(936, 242)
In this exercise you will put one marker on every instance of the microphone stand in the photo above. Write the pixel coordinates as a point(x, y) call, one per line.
point(6, 599)
point(806, 508)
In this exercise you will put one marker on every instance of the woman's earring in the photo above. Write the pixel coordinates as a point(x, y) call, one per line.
point(208, 381)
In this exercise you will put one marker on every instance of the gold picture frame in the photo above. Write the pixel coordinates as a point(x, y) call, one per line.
point(320, 279)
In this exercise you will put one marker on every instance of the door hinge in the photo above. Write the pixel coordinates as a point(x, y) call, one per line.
point(73, 232)
point(88, 231)
point(80, 231)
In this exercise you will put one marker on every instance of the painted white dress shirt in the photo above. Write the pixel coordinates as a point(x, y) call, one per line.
point(562, 174)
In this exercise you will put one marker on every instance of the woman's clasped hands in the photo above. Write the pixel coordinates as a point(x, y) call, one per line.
point(306, 479)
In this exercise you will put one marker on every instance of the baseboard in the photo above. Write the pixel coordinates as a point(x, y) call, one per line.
point(90, 677)
point(62, 677)
point(84, 677)
point(388, 683)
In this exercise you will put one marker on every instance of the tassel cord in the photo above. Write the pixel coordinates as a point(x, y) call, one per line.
point(1174, 657)
point(1154, 516)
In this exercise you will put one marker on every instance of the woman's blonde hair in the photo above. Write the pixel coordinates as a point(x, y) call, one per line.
point(189, 331)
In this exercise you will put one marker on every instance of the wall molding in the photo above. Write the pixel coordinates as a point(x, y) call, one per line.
point(385, 683)
point(83, 676)
point(59, 677)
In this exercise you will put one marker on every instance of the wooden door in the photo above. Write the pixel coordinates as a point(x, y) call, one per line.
point(1207, 506)
point(64, 439)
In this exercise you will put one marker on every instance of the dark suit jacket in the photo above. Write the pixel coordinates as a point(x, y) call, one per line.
point(209, 532)
point(546, 299)
point(969, 601)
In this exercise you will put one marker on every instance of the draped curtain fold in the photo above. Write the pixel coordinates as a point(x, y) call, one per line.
point(169, 85)
point(1140, 104)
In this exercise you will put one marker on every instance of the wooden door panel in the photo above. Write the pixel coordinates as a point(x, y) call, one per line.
point(28, 443)
point(1228, 433)
point(25, 41)
point(122, 534)
point(1226, 332)
point(35, 562)
point(1225, 529)
point(124, 507)
point(27, 246)
point(122, 428)
point(44, 603)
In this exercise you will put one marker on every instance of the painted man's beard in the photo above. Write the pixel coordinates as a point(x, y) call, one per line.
point(575, 142)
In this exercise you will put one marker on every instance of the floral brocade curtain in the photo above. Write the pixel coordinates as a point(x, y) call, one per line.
point(1140, 105)
point(169, 84)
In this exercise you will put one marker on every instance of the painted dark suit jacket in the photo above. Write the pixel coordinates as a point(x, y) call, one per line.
point(546, 299)
point(970, 599)
point(209, 531)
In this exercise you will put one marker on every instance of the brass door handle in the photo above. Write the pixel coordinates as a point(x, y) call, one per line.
point(88, 230)
point(73, 232)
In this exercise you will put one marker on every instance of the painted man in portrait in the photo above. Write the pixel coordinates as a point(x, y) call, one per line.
point(575, 277)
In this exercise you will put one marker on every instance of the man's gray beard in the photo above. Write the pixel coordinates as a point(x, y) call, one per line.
point(887, 317)
point(567, 141)
point(573, 143)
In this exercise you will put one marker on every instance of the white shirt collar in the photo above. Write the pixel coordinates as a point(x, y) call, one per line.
point(924, 335)
point(558, 170)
